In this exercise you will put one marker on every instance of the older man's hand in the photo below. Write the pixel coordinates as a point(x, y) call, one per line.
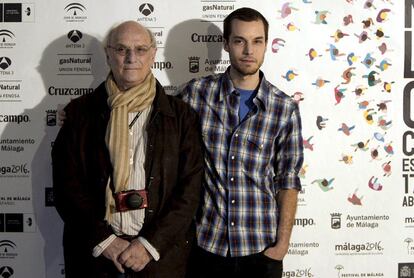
point(135, 257)
point(113, 251)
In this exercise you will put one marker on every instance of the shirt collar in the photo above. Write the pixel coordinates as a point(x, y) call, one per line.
point(227, 88)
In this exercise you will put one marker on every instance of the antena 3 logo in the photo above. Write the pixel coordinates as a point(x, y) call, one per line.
point(5, 63)
point(7, 249)
point(6, 271)
point(75, 12)
point(75, 36)
point(145, 10)
point(7, 39)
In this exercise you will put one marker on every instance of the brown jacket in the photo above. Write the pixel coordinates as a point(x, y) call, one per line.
point(173, 169)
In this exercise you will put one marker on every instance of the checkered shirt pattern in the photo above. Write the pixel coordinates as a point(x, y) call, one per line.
point(246, 163)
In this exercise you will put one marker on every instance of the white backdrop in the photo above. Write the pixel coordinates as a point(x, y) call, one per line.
point(345, 58)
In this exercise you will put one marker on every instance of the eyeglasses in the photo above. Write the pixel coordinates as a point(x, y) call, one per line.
point(123, 50)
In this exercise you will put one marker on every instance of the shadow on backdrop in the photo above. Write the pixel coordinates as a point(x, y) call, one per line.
point(187, 40)
point(42, 127)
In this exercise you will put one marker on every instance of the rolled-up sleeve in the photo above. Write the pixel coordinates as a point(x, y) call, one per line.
point(289, 157)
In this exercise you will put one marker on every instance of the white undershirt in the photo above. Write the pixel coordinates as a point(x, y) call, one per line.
point(130, 222)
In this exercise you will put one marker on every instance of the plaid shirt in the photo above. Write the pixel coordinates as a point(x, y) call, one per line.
point(247, 163)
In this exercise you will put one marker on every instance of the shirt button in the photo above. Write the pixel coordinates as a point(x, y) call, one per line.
point(232, 157)
point(233, 201)
point(232, 223)
point(237, 135)
point(232, 179)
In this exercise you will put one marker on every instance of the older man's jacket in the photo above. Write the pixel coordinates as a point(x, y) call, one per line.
point(173, 170)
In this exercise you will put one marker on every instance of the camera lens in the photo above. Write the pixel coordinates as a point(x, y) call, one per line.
point(134, 201)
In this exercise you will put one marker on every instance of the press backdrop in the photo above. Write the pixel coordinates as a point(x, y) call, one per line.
point(347, 62)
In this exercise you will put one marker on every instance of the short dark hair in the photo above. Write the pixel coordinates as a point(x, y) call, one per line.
point(244, 14)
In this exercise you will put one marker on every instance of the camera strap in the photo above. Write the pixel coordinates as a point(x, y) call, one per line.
point(131, 124)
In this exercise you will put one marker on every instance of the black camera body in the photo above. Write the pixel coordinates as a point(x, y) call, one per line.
point(130, 200)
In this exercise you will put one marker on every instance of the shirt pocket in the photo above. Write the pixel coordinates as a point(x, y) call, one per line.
point(257, 153)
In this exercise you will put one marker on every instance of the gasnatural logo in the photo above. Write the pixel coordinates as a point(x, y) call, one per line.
point(75, 12)
point(7, 39)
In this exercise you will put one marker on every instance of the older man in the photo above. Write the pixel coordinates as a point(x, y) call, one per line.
point(127, 169)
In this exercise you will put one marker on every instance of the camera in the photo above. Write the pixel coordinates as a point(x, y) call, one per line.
point(130, 200)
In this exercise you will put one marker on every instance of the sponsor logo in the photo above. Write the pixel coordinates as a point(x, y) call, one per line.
point(158, 33)
point(406, 270)
point(17, 12)
point(23, 118)
point(342, 273)
point(217, 65)
point(336, 220)
point(74, 35)
point(301, 248)
point(206, 38)
point(7, 249)
point(407, 168)
point(146, 9)
point(15, 144)
point(49, 197)
point(75, 12)
point(14, 171)
point(357, 221)
point(301, 198)
point(303, 272)
point(409, 222)
point(10, 91)
point(6, 39)
point(161, 65)
point(409, 245)
point(367, 248)
point(6, 271)
point(303, 222)
point(74, 64)
point(5, 62)
point(194, 64)
point(12, 200)
point(51, 117)
point(215, 12)
point(17, 223)
point(54, 91)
